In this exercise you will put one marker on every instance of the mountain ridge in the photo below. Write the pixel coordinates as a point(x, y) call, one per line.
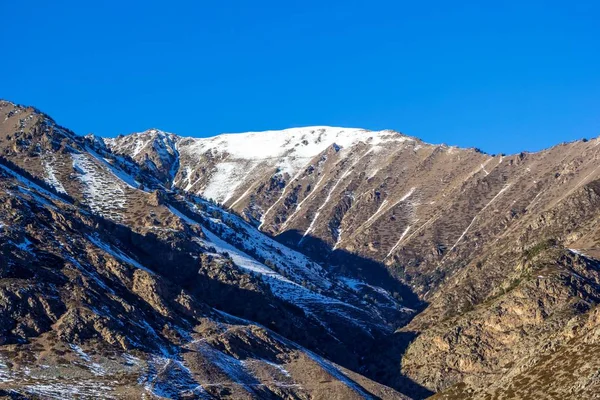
point(122, 255)
point(416, 268)
point(453, 224)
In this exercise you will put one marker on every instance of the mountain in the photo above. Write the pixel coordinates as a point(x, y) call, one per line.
point(500, 249)
point(313, 262)
point(113, 286)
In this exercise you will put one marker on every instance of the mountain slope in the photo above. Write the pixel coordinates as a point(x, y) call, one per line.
point(420, 267)
point(114, 286)
point(465, 231)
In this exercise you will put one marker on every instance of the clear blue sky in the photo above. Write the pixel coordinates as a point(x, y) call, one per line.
point(505, 76)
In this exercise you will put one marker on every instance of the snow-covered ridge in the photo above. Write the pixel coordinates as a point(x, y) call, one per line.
point(288, 151)
point(243, 157)
point(300, 142)
point(305, 142)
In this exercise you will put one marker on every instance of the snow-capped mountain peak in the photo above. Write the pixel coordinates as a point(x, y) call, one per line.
point(306, 142)
point(216, 166)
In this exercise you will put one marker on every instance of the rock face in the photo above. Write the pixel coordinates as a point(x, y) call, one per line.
point(330, 263)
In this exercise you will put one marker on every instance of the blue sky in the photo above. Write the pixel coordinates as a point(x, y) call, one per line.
point(503, 76)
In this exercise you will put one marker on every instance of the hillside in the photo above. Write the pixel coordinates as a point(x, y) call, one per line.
point(114, 286)
point(306, 263)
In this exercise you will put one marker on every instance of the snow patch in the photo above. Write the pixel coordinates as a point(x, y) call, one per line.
point(286, 289)
point(288, 150)
point(81, 389)
point(30, 185)
point(51, 178)
point(104, 195)
point(96, 368)
point(5, 374)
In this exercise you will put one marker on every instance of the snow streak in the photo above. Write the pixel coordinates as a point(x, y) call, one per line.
point(398, 242)
point(344, 175)
point(299, 206)
point(380, 211)
point(478, 214)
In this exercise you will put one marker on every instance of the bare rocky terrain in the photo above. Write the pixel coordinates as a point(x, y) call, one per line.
point(308, 263)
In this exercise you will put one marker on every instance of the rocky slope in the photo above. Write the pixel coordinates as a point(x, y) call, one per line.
point(386, 267)
point(113, 286)
point(501, 249)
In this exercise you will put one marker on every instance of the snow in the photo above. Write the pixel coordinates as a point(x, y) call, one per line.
point(165, 148)
point(484, 170)
point(131, 360)
point(344, 176)
point(478, 170)
point(303, 143)
point(242, 196)
point(30, 185)
point(295, 264)
point(225, 181)
point(25, 245)
point(284, 288)
point(580, 183)
point(82, 389)
point(186, 177)
point(382, 209)
point(96, 369)
point(579, 253)
point(163, 144)
point(288, 150)
point(104, 195)
point(299, 206)
point(170, 378)
point(407, 195)
point(121, 175)
point(5, 375)
point(292, 262)
point(311, 226)
point(479, 213)
point(41, 200)
point(428, 222)
point(240, 371)
point(240, 258)
point(139, 145)
point(372, 173)
point(280, 368)
point(398, 242)
point(359, 286)
point(283, 193)
point(89, 273)
point(331, 368)
point(334, 371)
point(164, 350)
point(381, 206)
point(534, 201)
point(232, 367)
point(51, 178)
